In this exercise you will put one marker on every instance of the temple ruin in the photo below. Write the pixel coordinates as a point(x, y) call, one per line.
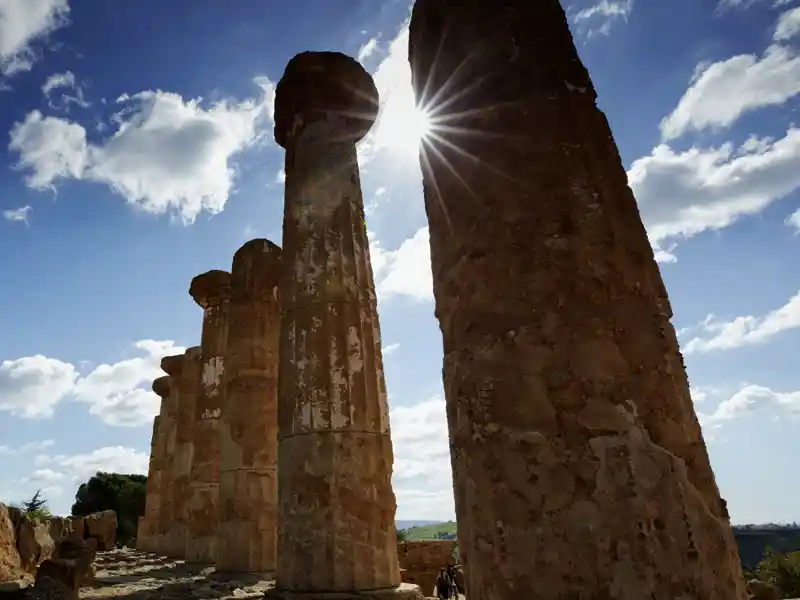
point(579, 466)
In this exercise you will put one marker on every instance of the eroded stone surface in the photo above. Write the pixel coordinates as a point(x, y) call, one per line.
point(147, 530)
point(188, 390)
point(211, 290)
point(337, 507)
point(421, 561)
point(579, 466)
point(248, 492)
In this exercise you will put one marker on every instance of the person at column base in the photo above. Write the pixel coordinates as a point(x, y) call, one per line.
point(404, 591)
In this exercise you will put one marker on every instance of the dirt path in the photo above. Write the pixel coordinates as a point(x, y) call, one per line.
point(142, 576)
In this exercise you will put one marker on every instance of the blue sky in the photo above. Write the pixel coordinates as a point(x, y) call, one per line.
point(138, 152)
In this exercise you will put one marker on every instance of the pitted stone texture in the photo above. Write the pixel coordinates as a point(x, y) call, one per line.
point(211, 291)
point(147, 528)
point(188, 390)
point(323, 86)
point(579, 466)
point(167, 388)
point(336, 525)
point(248, 492)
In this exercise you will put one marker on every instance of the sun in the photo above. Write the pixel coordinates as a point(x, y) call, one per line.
point(404, 127)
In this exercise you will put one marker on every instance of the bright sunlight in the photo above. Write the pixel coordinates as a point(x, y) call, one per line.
point(402, 127)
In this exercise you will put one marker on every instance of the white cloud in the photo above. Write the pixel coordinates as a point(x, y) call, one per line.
point(681, 194)
point(745, 330)
point(32, 386)
point(599, 18)
point(725, 90)
point(788, 25)
point(25, 448)
point(23, 23)
point(17, 215)
point(50, 147)
point(422, 477)
point(115, 459)
point(167, 153)
point(793, 221)
point(389, 349)
point(118, 394)
point(750, 399)
point(745, 4)
point(367, 49)
point(61, 81)
point(405, 271)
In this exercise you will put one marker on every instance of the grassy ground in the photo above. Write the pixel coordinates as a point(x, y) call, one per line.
point(428, 532)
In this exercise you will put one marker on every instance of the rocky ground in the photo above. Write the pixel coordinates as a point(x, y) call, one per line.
point(142, 576)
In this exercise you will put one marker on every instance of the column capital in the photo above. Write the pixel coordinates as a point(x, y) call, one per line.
point(161, 386)
point(321, 85)
point(211, 288)
point(173, 365)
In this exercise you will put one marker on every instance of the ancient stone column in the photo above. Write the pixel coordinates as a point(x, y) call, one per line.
point(164, 387)
point(188, 389)
point(211, 290)
point(337, 507)
point(248, 488)
point(173, 367)
point(579, 467)
point(147, 523)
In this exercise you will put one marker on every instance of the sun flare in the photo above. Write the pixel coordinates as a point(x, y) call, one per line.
point(404, 129)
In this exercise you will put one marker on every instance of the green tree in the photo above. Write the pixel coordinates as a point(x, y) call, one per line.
point(402, 535)
point(782, 571)
point(36, 508)
point(122, 493)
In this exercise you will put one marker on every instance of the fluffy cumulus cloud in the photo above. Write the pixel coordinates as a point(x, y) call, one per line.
point(725, 334)
point(167, 154)
point(422, 477)
point(681, 194)
point(793, 221)
point(118, 394)
point(748, 400)
point(114, 459)
point(405, 271)
point(24, 23)
point(600, 17)
point(723, 91)
point(684, 193)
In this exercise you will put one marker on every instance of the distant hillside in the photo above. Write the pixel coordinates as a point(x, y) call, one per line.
point(430, 531)
point(751, 540)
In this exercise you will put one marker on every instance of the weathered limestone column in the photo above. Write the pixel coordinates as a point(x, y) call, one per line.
point(165, 388)
point(248, 488)
point(211, 290)
point(148, 522)
point(188, 389)
point(578, 462)
point(337, 507)
point(173, 367)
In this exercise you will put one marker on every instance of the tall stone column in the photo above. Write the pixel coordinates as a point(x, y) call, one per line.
point(248, 488)
point(578, 462)
point(211, 290)
point(337, 507)
point(173, 367)
point(147, 523)
point(188, 389)
point(166, 389)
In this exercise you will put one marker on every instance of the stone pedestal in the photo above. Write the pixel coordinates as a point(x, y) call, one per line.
point(173, 367)
point(211, 291)
point(188, 387)
point(578, 462)
point(166, 388)
point(147, 526)
point(248, 489)
point(337, 507)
